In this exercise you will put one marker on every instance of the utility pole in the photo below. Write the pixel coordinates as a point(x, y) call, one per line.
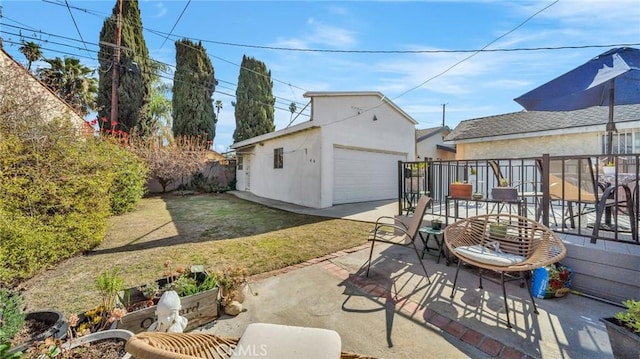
point(443, 106)
point(115, 67)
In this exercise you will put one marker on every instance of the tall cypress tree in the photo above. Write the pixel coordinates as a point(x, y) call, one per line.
point(254, 106)
point(134, 80)
point(193, 85)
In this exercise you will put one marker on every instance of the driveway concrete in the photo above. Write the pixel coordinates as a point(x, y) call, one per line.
point(396, 313)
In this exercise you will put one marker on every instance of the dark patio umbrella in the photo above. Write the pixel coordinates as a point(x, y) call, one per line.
point(611, 78)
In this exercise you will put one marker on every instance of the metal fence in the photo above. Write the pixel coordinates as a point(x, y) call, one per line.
point(570, 194)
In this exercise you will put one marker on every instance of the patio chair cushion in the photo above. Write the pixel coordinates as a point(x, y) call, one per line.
point(283, 341)
point(486, 255)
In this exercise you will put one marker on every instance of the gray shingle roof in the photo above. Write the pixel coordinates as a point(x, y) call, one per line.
point(538, 121)
point(428, 132)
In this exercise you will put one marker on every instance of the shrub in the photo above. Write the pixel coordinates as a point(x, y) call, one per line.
point(57, 188)
point(130, 177)
point(201, 183)
point(26, 246)
point(630, 318)
point(173, 161)
point(55, 196)
point(12, 316)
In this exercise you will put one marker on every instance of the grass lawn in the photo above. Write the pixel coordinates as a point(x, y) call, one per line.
point(215, 230)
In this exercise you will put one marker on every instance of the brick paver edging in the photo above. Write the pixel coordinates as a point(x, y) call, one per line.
point(484, 343)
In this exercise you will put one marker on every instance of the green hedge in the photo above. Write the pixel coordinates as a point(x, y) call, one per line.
point(56, 194)
point(130, 180)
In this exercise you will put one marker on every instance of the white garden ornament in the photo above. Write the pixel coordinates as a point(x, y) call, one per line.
point(168, 314)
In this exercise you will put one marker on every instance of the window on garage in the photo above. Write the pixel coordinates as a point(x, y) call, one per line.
point(278, 155)
point(240, 162)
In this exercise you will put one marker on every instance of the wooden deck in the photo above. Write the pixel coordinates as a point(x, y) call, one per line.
point(608, 270)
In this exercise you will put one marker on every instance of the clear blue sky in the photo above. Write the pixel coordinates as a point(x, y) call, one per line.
point(420, 83)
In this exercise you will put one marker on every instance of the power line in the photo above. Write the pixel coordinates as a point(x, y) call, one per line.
point(176, 23)
point(169, 34)
point(75, 24)
point(43, 33)
point(385, 52)
point(93, 44)
point(453, 51)
point(452, 66)
point(473, 51)
point(476, 52)
point(174, 79)
point(147, 58)
point(233, 63)
point(95, 13)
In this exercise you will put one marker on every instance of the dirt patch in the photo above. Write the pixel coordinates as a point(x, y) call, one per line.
point(101, 349)
point(28, 331)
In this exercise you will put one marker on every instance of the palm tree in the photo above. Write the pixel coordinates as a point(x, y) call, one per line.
point(31, 51)
point(292, 109)
point(218, 107)
point(160, 109)
point(72, 82)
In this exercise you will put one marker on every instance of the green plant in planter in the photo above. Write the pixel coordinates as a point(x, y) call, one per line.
point(185, 281)
point(630, 318)
point(150, 290)
point(108, 283)
point(208, 283)
point(185, 285)
point(498, 230)
point(230, 280)
point(5, 346)
point(11, 315)
point(504, 191)
point(188, 281)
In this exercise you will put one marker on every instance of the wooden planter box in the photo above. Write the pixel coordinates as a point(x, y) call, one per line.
point(199, 309)
point(460, 190)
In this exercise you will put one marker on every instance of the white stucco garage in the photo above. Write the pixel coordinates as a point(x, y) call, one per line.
point(364, 175)
point(347, 152)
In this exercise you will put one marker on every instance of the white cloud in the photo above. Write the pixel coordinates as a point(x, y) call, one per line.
point(319, 34)
point(328, 35)
point(161, 9)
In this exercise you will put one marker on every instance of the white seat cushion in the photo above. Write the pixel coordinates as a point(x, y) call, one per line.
point(489, 256)
point(262, 340)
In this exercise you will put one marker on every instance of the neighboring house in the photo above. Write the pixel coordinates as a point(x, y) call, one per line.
point(430, 144)
point(347, 152)
point(534, 133)
point(213, 156)
point(16, 80)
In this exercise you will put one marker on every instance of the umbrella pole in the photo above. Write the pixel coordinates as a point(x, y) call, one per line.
point(611, 126)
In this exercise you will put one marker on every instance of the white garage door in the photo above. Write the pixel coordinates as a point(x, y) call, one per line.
point(361, 176)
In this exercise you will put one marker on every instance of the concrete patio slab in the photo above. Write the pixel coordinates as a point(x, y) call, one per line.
point(396, 313)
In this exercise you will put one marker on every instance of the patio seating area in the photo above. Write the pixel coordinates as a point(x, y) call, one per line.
point(510, 245)
point(395, 313)
point(595, 214)
point(562, 192)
